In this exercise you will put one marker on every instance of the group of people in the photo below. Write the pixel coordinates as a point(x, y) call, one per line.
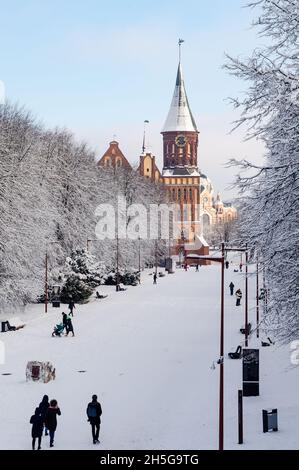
point(45, 419)
point(238, 293)
point(66, 324)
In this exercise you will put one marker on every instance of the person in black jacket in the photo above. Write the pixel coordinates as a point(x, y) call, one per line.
point(65, 322)
point(51, 420)
point(231, 288)
point(70, 328)
point(71, 306)
point(94, 412)
point(37, 428)
point(43, 408)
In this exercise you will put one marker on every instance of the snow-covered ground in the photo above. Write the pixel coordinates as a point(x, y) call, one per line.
point(147, 354)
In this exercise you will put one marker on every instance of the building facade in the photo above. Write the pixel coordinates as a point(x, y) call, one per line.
point(191, 192)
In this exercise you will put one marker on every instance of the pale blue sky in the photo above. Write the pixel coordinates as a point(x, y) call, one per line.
point(101, 67)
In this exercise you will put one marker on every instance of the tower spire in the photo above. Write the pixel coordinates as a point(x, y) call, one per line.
point(143, 142)
point(180, 117)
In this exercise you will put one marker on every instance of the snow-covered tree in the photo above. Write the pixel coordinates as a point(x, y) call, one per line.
point(270, 191)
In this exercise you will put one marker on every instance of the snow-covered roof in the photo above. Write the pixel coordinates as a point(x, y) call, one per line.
point(179, 116)
point(181, 171)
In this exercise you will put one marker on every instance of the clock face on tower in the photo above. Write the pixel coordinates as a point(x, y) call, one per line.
point(180, 140)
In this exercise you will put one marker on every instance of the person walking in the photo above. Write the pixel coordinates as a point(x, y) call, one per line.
point(51, 420)
point(37, 428)
point(70, 328)
point(241, 266)
point(43, 408)
point(238, 295)
point(65, 318)
point(197, 267)
point(71, 306)
point(155, 278)
point(227, 264)
point(94, 413)
point(231, 288)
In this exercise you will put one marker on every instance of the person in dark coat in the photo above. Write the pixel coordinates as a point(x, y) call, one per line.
point(43, 408)
point(70, 328)
point(37, 428)
point(65, 322)
point(238, 295)
point(231, 287)
point(227, 264)
point(51, 420)
point(94, 413)
point(71, 307)
point(155, 278)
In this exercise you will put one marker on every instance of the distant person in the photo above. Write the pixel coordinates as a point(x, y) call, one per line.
point(71, 307)
point(231, 288)
point(94, 413)
point(238, 295)
point(43, 408)
point(227, 264)
point(51, 420)
point(155, 278)
point(197, 267)
point(37, 428)
point(241, 266)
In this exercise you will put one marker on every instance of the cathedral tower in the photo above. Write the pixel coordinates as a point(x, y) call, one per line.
point(180, 134)
point(180, 172)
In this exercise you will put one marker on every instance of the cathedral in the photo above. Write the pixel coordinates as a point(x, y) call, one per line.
point(187, 188)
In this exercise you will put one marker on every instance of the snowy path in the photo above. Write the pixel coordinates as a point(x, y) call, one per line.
point(147, 353)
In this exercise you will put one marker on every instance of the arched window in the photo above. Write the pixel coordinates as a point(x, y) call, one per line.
point(206, 220)
point(185, 194)
point(190, 194)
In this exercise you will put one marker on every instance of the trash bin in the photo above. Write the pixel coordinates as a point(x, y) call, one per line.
point(56, 304)
point(270, 420)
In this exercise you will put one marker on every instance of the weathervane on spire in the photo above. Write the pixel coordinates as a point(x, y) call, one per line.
point(180, 43)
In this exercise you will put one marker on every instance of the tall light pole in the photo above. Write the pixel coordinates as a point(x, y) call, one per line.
point(257, 297)
point(246, 295)
point(246, 286)
point(139, 259)
point(221, 348)
point(117, 263)
point(156, 256)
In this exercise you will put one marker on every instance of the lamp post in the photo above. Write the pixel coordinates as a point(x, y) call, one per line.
point(117, 264)
point(156, 257)
point(46, 276)
point(139, 259)
point(221, 349)
point(244, 250)
point(257, 297)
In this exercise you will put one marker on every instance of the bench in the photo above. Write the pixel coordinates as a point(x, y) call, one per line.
point(237, 354)
point(249, 327)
